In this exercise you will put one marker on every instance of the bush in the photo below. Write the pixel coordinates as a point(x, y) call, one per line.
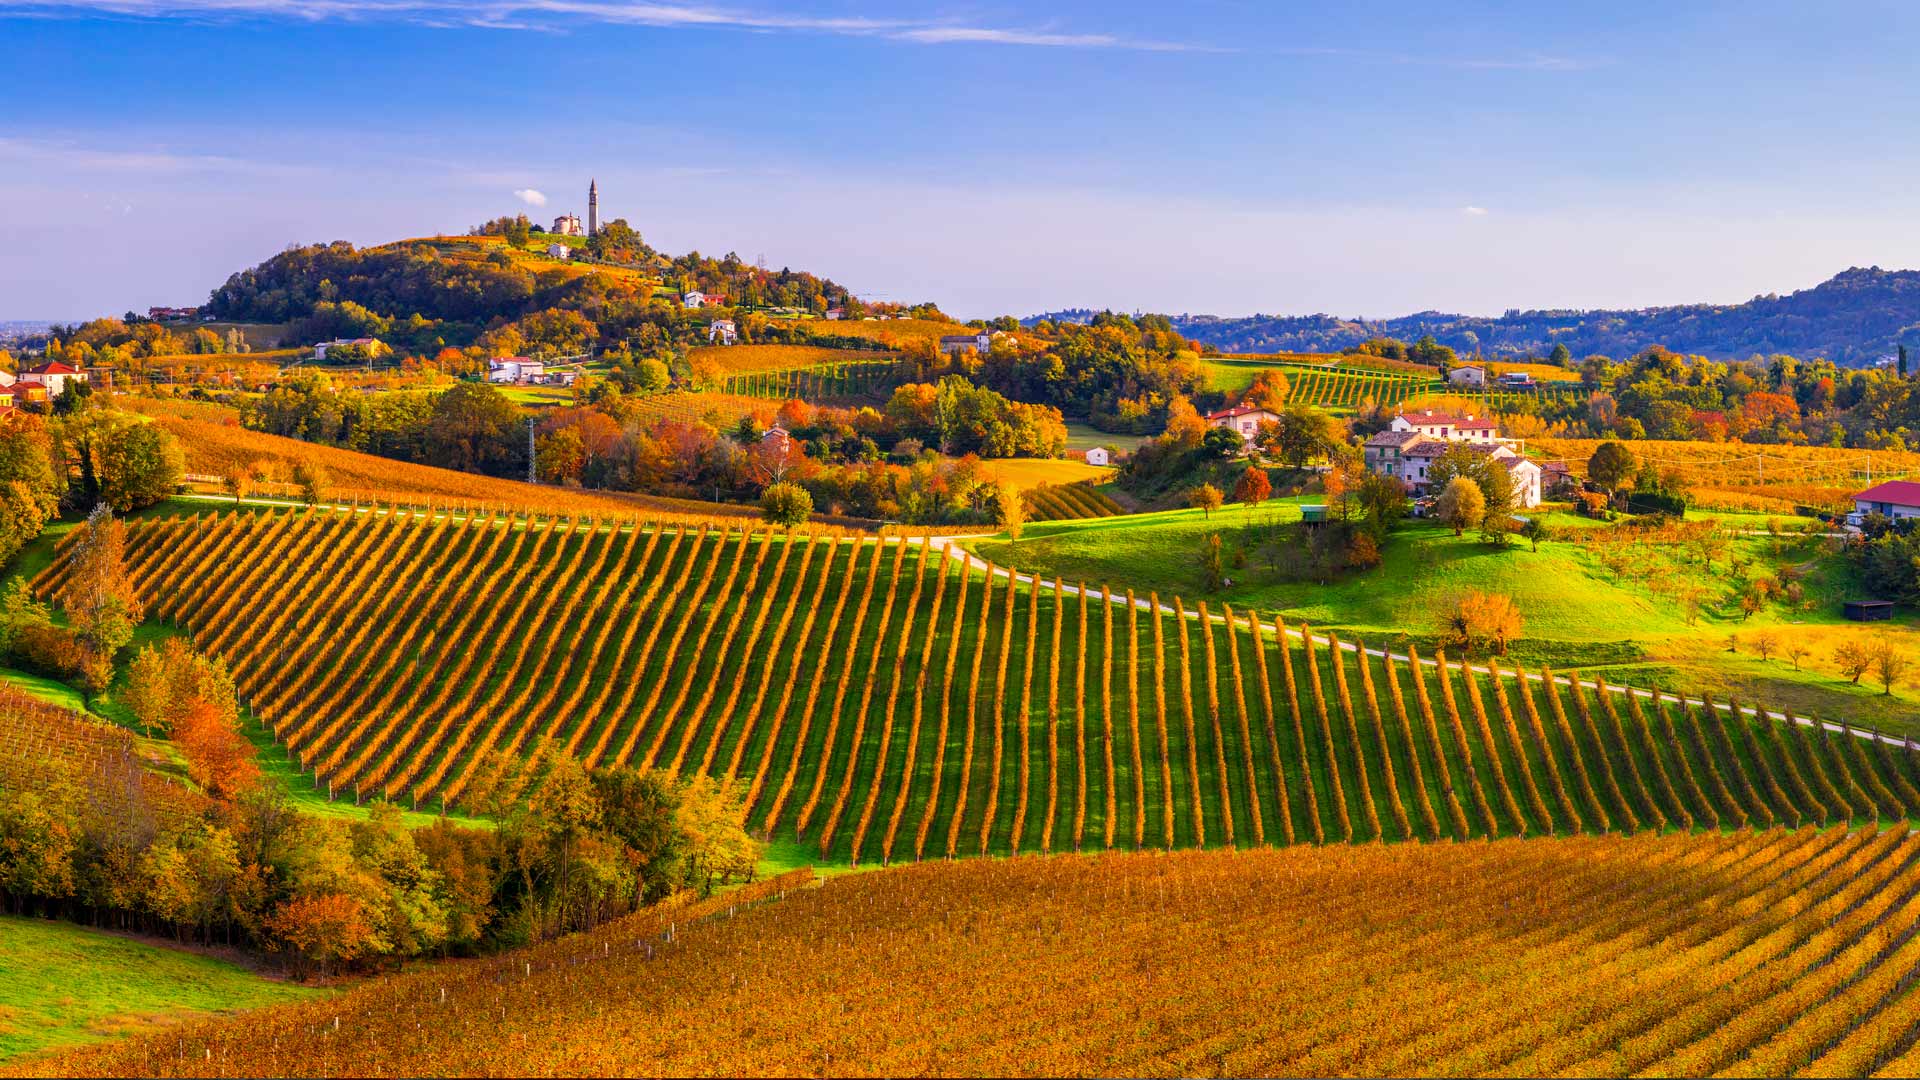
point(786, 504)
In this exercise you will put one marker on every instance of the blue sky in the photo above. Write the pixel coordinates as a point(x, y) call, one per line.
point(1229, 157)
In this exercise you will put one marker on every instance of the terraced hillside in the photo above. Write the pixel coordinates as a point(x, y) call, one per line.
point(1769, 953)
point(879, 701)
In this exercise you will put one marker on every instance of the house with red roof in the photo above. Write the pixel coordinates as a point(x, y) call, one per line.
point(1244, 420)
point(1895, 499)
point(1446, 426)
point(54, 376)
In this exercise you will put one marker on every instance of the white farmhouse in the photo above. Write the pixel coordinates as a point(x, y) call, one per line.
point(514, 369)
point(1468, 376)
point(1098, 456)
point(53, 375)
point(1244, 420)
point(559, 251)
point(1895, 499)
point(722, 331)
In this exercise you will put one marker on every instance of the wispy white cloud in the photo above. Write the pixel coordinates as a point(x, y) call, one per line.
point(1474, 211)
point(531, 196)
point(150, 161)
point(555, 14)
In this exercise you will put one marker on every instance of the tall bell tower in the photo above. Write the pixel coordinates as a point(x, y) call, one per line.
point(593, 207)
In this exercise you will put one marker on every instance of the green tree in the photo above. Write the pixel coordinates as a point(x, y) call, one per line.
point(1537, 530)
point(786, 504)
point(1301, 434)
point(1611, 465)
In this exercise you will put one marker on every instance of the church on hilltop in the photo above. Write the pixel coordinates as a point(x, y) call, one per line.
point(569, 225)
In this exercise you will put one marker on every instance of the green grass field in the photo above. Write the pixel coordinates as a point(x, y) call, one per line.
point(63, 985)
point(1577, 610)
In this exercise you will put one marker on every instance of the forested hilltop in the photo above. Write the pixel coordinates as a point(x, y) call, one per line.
point(1855, 318)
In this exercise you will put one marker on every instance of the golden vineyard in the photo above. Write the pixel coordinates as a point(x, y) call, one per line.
point(1774, 953)
point(881, 700)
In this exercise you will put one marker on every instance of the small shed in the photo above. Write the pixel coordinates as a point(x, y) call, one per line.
point(1869, 610)
point(1311, 514)
point(1097, 456)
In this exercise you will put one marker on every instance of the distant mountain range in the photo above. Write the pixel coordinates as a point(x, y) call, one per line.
point(1857, 318)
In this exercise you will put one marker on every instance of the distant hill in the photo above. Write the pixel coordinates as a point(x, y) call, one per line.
point(1855, 318)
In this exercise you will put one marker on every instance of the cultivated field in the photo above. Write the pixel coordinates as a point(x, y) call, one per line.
point(1771, 953)
point(43, 746)
point(215, 445)
point(1747, 476)
point(879, 703)
point(1068, 502)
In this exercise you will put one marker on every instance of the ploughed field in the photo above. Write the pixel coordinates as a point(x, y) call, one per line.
point(877, 700)
point(1751, 952)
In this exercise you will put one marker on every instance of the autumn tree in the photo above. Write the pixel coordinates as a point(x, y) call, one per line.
point(1268, 391)
point(1890, 663)
point(1483, 620)
point(1461, 505)
point(1854, 659)
point(321, 932)
point(1253, 487)
point(1212, 561)
point(1206, 497)
point(1764, 644)
point(1010, 510)
point(98, 596)
point(311, 477)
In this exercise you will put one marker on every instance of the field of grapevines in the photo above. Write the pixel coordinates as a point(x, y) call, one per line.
point(1067, 502)
point(813, 382)
point(1770, 952)
point(1350, 388)
point(42, 745)
point(878, 701)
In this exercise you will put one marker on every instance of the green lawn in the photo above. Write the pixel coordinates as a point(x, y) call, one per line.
point(1577, 610)
point(62, 985)
point(1083, 437)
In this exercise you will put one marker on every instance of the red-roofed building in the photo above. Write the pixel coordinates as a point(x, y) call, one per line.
point(54, 376)
point(1438, 425)
point(1894, 499)
point(1245, 420)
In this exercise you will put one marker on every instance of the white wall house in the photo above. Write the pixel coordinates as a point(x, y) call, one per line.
point(1098, 456)
point(1895, 499)
point(1244, 420)
point(1467, 376)
point(953, 343)
point(53, 375)
point(513, 369)
point(559, 251)
point(722, 331)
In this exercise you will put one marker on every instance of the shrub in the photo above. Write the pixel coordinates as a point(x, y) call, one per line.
point(786, 504)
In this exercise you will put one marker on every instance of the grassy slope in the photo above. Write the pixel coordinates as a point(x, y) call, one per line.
point(62, 985)
point(1576, 611)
